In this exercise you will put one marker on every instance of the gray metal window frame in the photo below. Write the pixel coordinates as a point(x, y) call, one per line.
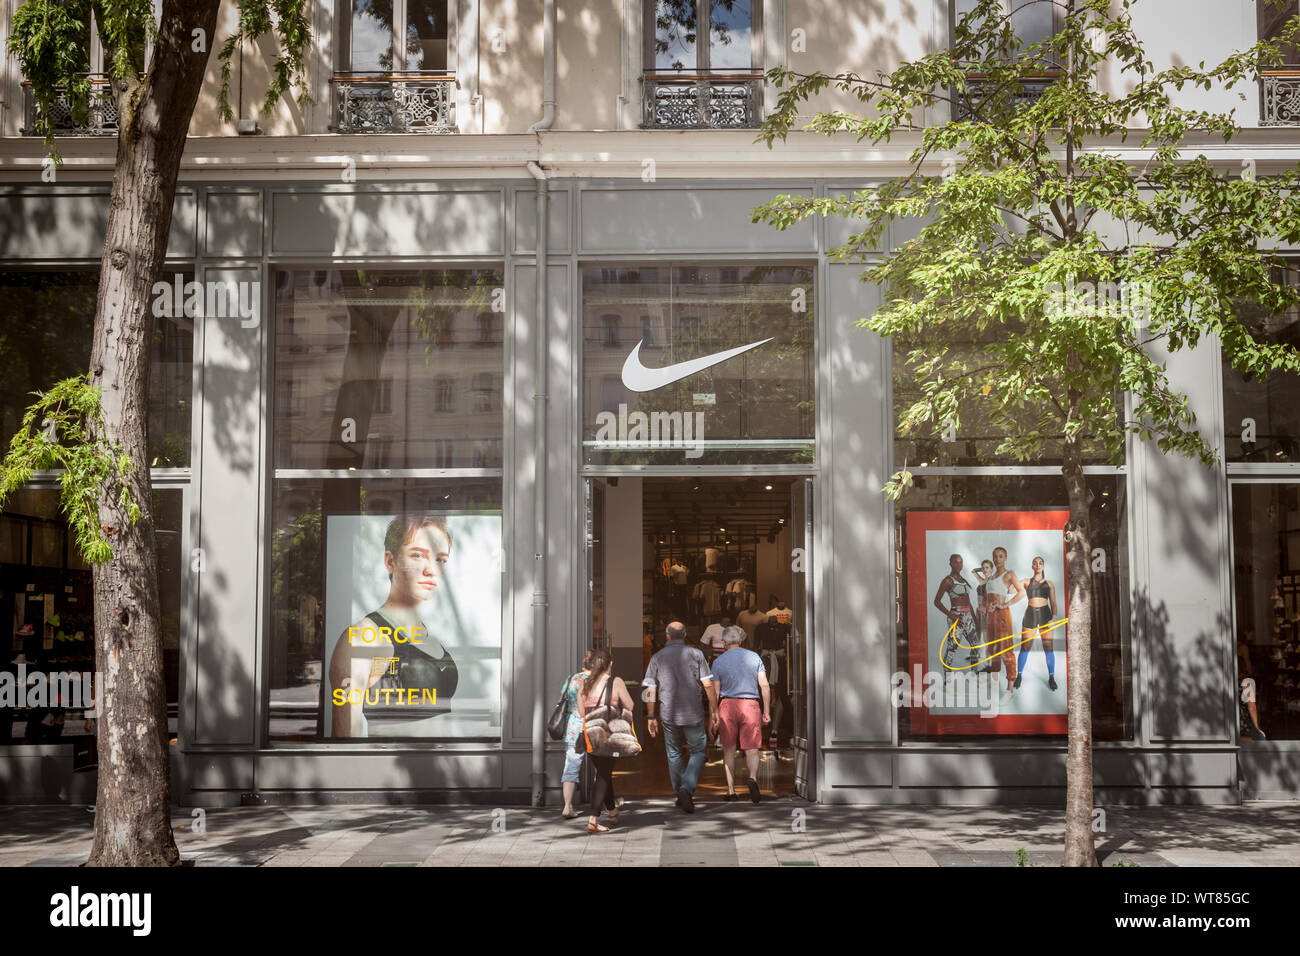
point(377, 745)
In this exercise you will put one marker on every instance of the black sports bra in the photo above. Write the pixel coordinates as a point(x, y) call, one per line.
point(1038, 590)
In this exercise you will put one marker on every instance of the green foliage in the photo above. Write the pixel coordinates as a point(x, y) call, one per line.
point(1022, 857)
point(1123, 861)
point(61, 431)
point(51, 40)
point(1027, 193)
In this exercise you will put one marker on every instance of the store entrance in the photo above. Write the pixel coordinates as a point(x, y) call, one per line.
point(706, 551)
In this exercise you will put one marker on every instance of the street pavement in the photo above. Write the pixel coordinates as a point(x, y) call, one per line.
point(653, 832)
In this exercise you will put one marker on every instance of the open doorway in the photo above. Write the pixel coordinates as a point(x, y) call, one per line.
point(708, 552)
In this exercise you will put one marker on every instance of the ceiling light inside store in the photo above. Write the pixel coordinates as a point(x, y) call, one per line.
point(767, 487)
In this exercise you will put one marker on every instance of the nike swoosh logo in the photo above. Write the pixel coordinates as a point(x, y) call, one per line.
point(638, 378)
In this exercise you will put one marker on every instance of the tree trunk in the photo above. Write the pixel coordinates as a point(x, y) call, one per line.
point(1079, 850)
point(133, 801)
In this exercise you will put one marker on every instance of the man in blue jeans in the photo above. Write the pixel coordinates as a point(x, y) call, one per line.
point(672, 686)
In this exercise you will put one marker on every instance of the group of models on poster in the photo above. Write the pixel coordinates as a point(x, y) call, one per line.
point(985, 629)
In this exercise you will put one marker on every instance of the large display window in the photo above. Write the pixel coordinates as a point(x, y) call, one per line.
point(709, 363)
point(984, 604)
point(46, 325)
point(47, 604)
point(986, 420)
point(1261, 415)
point(386, 528)
point(1266, 584)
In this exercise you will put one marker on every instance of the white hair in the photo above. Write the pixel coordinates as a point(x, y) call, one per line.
point(732, 636)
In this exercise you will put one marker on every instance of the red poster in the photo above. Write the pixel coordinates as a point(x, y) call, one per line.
point(986, 611)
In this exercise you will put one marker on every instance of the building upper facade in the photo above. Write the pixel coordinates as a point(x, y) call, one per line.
point(470, 67)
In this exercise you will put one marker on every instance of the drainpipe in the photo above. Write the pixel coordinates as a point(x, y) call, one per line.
point(548, 71)
point(541, 323)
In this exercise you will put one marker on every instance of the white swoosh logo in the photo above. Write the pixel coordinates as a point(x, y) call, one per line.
point(638, 378)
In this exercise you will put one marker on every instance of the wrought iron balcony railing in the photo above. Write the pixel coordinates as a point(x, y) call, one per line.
point(369, 103)
point(101, 117)
point(1281, 100)
point(977, 90)
point(703, 101)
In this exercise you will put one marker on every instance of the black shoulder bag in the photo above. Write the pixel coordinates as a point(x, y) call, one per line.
point(559, 719)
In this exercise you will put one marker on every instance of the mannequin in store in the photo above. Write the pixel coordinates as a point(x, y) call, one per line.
point(771, 641)
point(749, 619)
point(712, 638)
point(709, 595)
point(781, 611)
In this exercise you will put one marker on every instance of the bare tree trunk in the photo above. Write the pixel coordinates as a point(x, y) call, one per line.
point(1079, 849)
point(133, 819)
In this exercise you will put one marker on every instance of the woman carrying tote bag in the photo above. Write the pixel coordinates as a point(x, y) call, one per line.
point(606, 706)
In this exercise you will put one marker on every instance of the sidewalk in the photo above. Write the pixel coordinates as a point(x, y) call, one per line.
point(654, 833)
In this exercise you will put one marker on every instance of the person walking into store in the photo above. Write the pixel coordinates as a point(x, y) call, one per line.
point(672, 694)
point(600, 671)
point(572, 755)
point(742, 684)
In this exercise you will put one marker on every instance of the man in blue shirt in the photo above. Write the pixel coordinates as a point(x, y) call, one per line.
point(742, 683)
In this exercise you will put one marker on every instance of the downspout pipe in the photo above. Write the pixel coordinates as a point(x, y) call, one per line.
point(541, 324)
point(541, 315)
point(548, 70)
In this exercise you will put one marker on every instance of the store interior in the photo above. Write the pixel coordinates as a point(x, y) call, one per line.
point(712, 550)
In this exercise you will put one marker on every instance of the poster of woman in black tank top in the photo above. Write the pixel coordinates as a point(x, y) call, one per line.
point(413, 612)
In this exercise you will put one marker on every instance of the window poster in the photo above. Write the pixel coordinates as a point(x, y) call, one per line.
point(986, 612)
point(413, 625)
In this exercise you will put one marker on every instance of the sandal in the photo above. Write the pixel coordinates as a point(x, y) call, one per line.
point(596, 827)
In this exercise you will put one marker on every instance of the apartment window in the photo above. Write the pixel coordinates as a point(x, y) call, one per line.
point(609, 331)
point(443, 400)
point(1280, 85)
point(649, 339)
point(396, 67)
point(489, 328)
point(487, 396)
point(1031, 23)
point(703, 64)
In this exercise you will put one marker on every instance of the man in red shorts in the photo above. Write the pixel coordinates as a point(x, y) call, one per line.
point(742, 684)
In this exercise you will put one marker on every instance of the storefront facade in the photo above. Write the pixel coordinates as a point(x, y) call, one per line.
point(371, 351)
